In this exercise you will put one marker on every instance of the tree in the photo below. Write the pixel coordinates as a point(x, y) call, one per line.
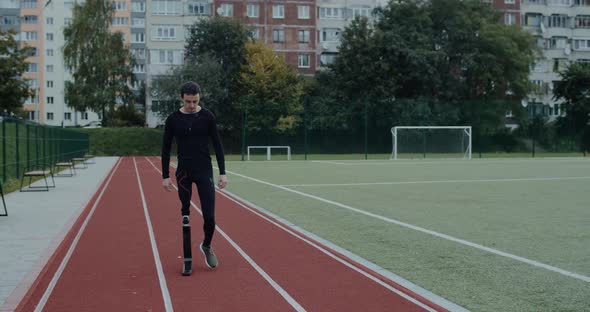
point(165, 89)
point(453, 52)
point(223, 41)
point(273, 90)
point(13, 89)
point(100, 62)
point(574, 90)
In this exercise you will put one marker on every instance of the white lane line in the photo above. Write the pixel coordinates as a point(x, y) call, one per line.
point(258, 269)
point(333, 256)
point(364, 262)
point(161, 276)
point(66, 259)
point(331, 162)
point(440, 181)
point(423, 230)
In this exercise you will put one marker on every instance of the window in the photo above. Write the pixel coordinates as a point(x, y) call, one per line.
point(49, 21)
point(509, 19)
point(137, 37)
point(67, 21)
point(138, 53)
point(168, 57)
point(557, 42)
point(532, 19)
point(33, 83)
point(559, 2)
point(557, 20)
point(49, 68)
point(49, 36)
point(278, 11)
point(278, 35)
point(137, 6)
point(120, 21)
point(303, 11)
point(331, 34)
point(581, 44)
point(30, 19)
point(164, 32)
point(166, 8)
point(330, 13)
point(253, 10)
point(84, 115)
point(538, 67)
point(139, 68)
point(303, 60)
point(255, 34)
point(138, 22)
point(226, 10)
point(49, 83)
point(29, 35)
point(32, 51)
point(303, 36)
point(50, 100)
point(360, 12)
point(28, 4)
point(68, 5)
point(49, 116)
point(509, 1)
point(120, 6)
point(32, 100)
point(582, 21)
point(198, 8)
point(67, 116)
point(31, 68)
point(327, 58)
point(559, 64)
point(9, 20)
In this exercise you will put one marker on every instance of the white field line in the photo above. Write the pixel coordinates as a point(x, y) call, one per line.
point(66, 259)
point(258, 269)
point(158, 262)
point(426, 231)
point(440, 181)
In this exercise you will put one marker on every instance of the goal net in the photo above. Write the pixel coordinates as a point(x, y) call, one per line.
point(267, 152)
point(431, 142)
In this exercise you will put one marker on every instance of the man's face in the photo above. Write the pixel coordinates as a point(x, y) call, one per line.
point(190, 102)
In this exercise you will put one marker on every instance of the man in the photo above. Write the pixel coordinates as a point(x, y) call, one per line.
point(192, 126)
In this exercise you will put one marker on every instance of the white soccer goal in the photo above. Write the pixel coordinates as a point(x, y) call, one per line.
point(431, 142)
point(269, 150)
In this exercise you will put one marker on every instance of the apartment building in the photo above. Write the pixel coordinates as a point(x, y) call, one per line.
point(165, 37)
point(562, 30)
point(288, 27)
point(332, 17)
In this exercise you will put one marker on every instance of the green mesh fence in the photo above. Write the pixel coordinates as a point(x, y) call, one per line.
point(29, 145)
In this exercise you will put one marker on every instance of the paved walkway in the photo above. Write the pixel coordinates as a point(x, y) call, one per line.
point(36, 224)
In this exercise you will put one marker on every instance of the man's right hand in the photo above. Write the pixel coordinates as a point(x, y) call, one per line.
point(167, 185)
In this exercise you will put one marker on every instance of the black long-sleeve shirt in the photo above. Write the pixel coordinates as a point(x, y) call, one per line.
point(192, 131)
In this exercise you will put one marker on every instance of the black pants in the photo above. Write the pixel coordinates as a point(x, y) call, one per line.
point(206, 190)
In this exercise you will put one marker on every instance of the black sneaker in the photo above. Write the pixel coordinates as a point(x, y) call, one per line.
point(210, 258)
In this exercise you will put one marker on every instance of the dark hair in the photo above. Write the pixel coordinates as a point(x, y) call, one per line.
point(190, 88)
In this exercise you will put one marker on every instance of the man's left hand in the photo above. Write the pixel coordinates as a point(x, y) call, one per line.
point(222, 181)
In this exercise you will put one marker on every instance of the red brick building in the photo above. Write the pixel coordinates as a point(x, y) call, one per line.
point(289, 27)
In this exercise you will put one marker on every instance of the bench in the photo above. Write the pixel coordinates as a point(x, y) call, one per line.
point(88, 157)
point(3, 203)
point(37, 171)
point(79, 162)
point(65, 164)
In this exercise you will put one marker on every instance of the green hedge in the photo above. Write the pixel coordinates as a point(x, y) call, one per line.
point(133, 141)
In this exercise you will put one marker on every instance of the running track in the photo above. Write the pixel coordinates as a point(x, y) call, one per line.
point(124, 254)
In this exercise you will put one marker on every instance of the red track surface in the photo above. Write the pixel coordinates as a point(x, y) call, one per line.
point(112, 267)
